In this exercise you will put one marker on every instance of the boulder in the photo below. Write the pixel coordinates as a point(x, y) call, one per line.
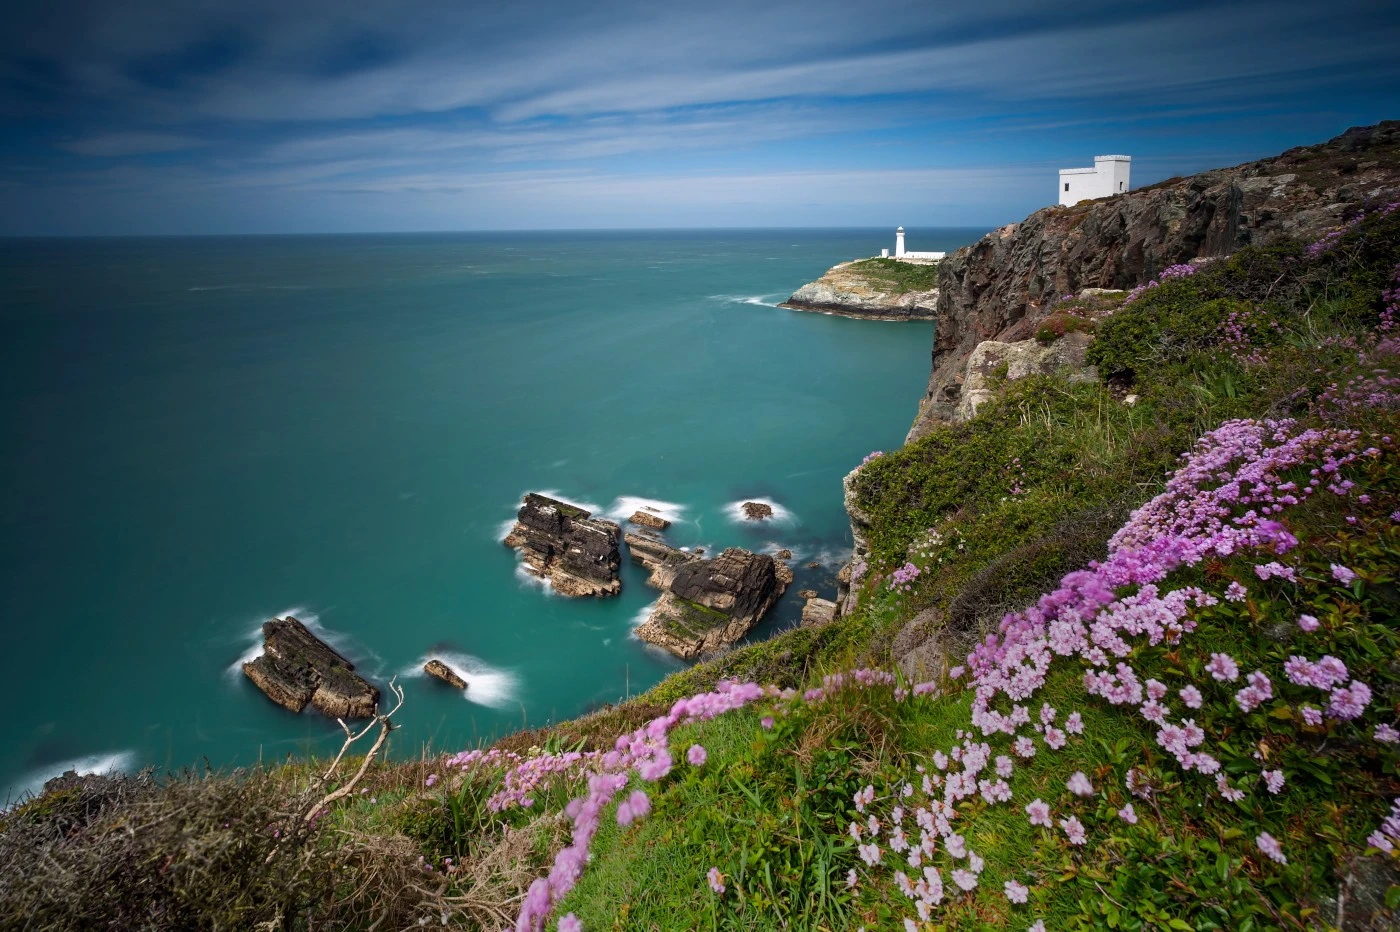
point(814, 565)
point(993, 362)
point(296, 667)
point(807, 594)
point(646, 518)
point(707, 603)
point(784, 572)
point(436, 668)
point(757, 511)
point(783, 555)
point(920, 648)
point(564, 544)
point(818, 612)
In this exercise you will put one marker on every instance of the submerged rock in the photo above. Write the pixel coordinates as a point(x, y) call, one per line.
point(757, 511)
point(436, 668)
point(646, 518)
point(564, 544)
point(296, 667)
point(707, 603)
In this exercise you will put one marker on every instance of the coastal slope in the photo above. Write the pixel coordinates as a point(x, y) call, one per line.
point(873, 289)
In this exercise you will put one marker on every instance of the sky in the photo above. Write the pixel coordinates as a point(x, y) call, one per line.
point(134, 117)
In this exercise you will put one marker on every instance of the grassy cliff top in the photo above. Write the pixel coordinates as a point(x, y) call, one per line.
point(895, 276)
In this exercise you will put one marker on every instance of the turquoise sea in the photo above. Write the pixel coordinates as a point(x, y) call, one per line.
point(202, 433)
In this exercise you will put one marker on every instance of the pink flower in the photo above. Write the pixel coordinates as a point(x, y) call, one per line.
point(1054, 738)
point(766, 722)
point(1015, 892)
point(1004, 766)
point(1074, 830)
point(1191, 696)
point(1038, 927)
point(966, 880)
point(870, 854)
point(1273, 779)
point(1350, 702)
point(1270, 846)
point(1128, 814)
point(1235, 592)
point(1039, 812)
point(432, 778)
point(1308, 623)
point(851, 879)
point(1311, 716)
point(716, 880)
point(1387, 734)
point(1074, 724)
point(1222, 668)
point(1227, 791)
point(696, 755)
point(1024, 746)
point(1342, 575)
point(1079, 784)
point(570, 923)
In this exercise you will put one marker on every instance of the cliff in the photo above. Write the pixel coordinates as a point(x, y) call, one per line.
point(874, 289)
point(1000, 287)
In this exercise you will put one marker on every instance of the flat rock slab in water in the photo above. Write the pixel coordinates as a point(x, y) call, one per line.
point(646, 518)
point(296, 667)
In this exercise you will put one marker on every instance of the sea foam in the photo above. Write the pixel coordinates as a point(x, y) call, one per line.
point(32, 782)
point(486, 685)
point(624, 506)
point(781, 515)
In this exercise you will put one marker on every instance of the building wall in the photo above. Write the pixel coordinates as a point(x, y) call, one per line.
point(1109, 176)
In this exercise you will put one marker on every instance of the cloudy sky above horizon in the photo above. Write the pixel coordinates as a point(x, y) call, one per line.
point(139, 117)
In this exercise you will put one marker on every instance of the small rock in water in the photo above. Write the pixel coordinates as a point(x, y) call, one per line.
point(783, 555)
point(442, 671)
point(807, 594)
point(757, 511)
point(296, 668)
point(814, 565)
point(645, 518)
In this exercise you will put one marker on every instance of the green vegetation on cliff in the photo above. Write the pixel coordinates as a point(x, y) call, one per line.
point(897, 277)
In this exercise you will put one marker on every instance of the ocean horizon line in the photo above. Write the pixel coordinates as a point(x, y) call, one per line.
point(11, 237)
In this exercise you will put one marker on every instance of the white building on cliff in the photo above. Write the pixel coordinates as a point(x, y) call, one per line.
point(1109, 176)
point(901, 253)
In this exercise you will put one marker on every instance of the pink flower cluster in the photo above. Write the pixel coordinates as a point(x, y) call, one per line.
point(1387, 837)
point(1181, 270)
point(1329, 240)
point(903, 578)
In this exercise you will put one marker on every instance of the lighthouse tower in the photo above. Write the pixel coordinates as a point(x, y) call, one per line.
point(899, 243)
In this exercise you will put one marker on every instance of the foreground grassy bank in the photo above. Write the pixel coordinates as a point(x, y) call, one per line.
point(1054, 778)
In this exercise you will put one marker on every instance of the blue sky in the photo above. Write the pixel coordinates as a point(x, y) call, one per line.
point(195, 116)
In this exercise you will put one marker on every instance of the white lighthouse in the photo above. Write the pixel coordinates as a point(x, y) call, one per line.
point(899, 243)
point(901, 253)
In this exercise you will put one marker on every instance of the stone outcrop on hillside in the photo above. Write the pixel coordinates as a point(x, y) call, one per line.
point(296, 668)
point(993, 360)
point(564, 544)
point(999, 288)
point(818, 612)
point(844, 290)
point(439, 670)
point(705, 604)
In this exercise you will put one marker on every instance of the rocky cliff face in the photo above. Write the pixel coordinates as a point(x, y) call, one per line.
point(859, 289)
point(999, 287)
point(576, 552)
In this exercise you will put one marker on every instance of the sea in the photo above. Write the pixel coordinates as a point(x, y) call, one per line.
point(203, 433)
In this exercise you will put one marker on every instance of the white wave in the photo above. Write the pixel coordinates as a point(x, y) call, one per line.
point(624, 506)
point(639, 619)
point(761, 300)
point(561, 497)
point(531, 581)
point(486, 685)
point(504, 528)
point(34, 781)
point(781, 515)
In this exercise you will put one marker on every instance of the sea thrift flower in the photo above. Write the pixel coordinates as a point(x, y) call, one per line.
point(851, 879)
point(766, 722)
point(696, 755)
point(1311, 716)
point(1273, 779)
point(1074, 830)
point(1308, 623)
point(870, 854)
point(570, 923)
point(1387, 734)
point(1342, 575)
point(1223, 668)
point(1005, 766)
point(1191, 696)
point(1270, 846)
point(1015, 892)
point(1074, 724)
point(1039, 812)
point(1079, 784)
point(966, 880)
point(1038, 927)
point(1128, 814)
point(432, 778)
point(716, 880)
point(1350, 702)
point(1227, 791)
point(1024, 746)
point(1235, 592)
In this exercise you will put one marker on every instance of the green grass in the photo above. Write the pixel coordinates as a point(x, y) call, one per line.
point(897, 277)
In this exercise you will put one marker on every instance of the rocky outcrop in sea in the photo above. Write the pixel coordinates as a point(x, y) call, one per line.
point(705, 603)
point(296, 668)
point(564, 544)
point(857, 289)
point(1001, 287)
